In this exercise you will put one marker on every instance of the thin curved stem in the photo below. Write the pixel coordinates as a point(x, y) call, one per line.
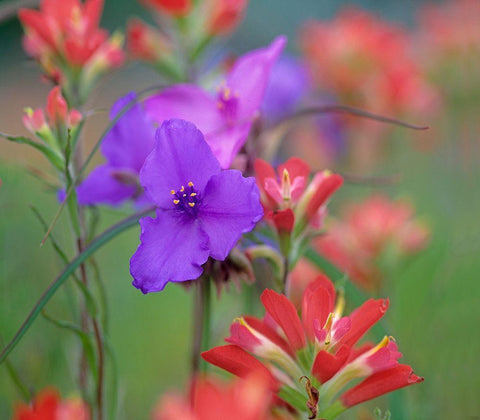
point(98, 242)
point(356, 112)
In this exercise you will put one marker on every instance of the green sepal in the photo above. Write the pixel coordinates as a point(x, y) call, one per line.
point(332, 412)
point(293, 397)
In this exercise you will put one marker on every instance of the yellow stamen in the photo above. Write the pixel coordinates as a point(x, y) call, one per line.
point(193, 194)
point(340, 306)
point(286, 186)
point(328, 326)
point(190, 184)
point(182, 189)
point(172, 192)
point(191, 204)
point(176, 201)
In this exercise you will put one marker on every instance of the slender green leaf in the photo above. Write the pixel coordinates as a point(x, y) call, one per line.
point(101, 240)
point(86, 340)
point(89, 299)
point(55, 159)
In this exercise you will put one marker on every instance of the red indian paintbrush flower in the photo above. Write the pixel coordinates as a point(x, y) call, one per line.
point(369, 230)
point(290, 199)
point(224, 15)
point(146, 42)
point(170, 7)
point(366, 61)
point(48, 406)
point(53, 125)
point(320, 347)
point(64, 37)
point(210, 399)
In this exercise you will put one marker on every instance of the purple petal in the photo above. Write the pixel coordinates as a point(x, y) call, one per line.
point(187, 102)
point(181, 155)
point(172, 249)
point(250, 74)
point(131, 139)
point(231, 206)
point(191, 103)
point(226, 141)
point(102, 187)
point(287, 85)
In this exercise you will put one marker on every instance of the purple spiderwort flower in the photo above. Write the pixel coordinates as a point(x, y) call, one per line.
point(202, 211)
point(226, 117)
point(288, 84)
point(125, 148)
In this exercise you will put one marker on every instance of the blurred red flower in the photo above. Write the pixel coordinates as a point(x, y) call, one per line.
point(211, 399)
point(49, 406)
point(368, 230)
point(171, 7)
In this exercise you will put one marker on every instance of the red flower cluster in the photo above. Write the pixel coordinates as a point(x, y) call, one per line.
point(146, 42)
point(224, 15)
point(367, 62)
point(321, 347)
point(170, 7)
point(451, 28)
point(210, 399)
point(368, 230)
point(66, 40)
point(49, 406)
point(211, 17)
point(290, 200)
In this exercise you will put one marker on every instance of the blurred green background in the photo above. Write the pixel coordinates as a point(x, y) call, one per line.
point(435, 310)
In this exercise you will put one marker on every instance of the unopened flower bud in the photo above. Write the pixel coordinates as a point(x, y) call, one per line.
point(225, 15)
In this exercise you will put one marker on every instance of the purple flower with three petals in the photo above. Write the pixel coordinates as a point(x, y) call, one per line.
point(202, 211)
point(125, 148)
point(226, 117)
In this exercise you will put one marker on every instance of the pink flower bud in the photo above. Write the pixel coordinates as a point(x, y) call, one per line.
point(34, 121)
point(225, 15)
point(57, 108)
point(145, 42)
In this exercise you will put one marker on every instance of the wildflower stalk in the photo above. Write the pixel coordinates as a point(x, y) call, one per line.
point(201, 320)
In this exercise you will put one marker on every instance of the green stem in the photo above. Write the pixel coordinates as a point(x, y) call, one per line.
point(201, 321)
point(92, 153)
point(97, 243)
point(15, 377)
point(207, 316)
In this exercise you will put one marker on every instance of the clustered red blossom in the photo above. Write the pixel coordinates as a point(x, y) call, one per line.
point(320, 346)
point(368, 230)
point(48, 405)
point(220, 17)
point(451, 28)
point(367, 62)
point(291, 199)
point(64, 37)
point(210, 398)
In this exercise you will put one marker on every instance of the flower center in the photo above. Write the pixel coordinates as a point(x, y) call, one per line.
point(186, 199)
point(227, 102)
